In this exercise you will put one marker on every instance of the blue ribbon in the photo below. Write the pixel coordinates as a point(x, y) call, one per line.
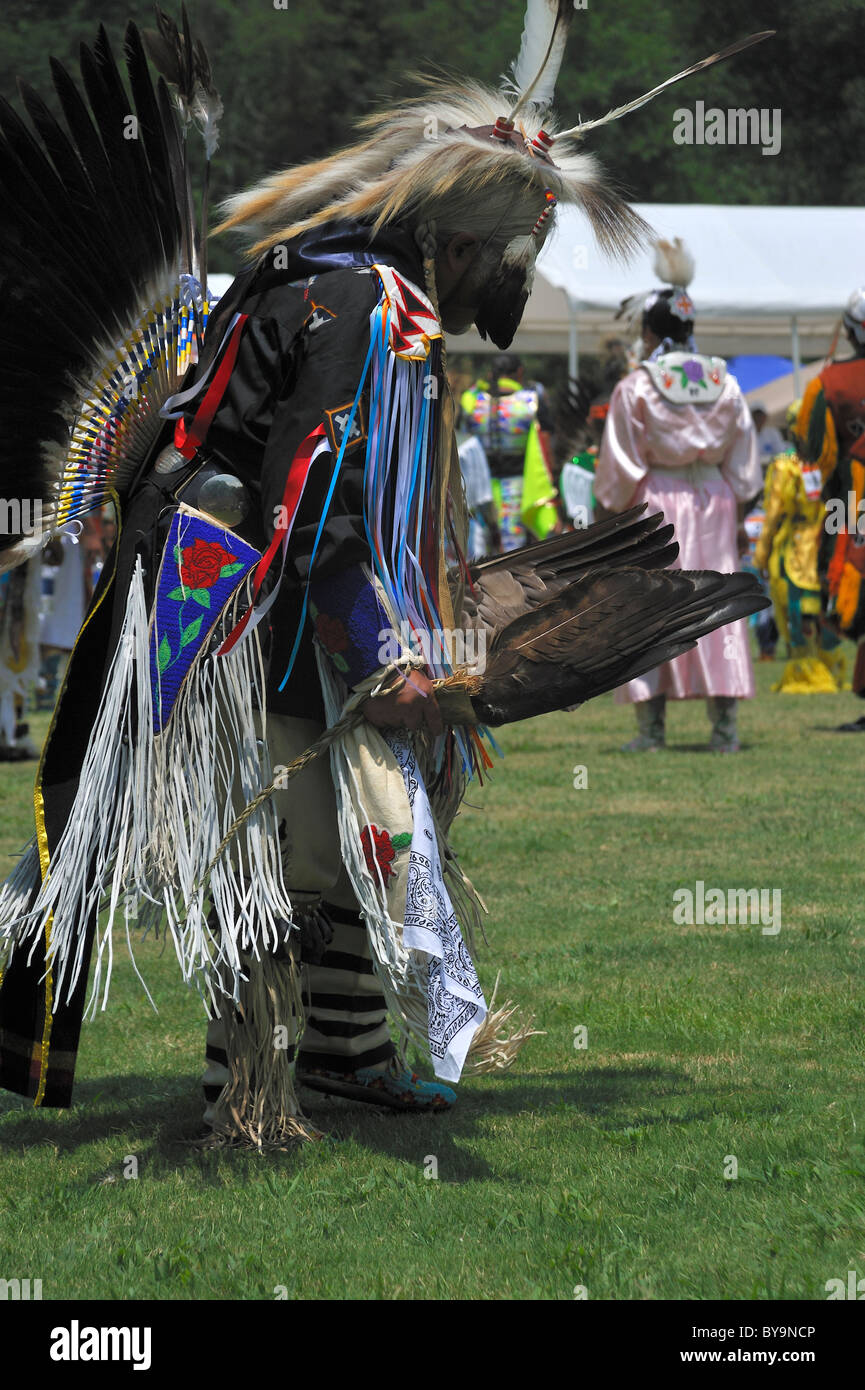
point(327, 501)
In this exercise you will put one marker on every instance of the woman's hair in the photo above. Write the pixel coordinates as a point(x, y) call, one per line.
point(505, 364)
point(660, 319)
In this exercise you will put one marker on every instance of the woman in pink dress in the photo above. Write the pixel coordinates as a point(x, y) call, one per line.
point(680, 437)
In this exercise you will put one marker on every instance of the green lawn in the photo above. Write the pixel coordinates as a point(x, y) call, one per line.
point(602, 1167)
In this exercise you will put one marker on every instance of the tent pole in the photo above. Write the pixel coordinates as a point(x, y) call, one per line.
point(573, 353)
point(797, 365)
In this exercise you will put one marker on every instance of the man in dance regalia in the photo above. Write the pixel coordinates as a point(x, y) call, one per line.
point(263, 736)
point(512, 420)
point(830, 434)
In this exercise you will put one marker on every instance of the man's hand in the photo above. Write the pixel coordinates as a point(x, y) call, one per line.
point(412, 706)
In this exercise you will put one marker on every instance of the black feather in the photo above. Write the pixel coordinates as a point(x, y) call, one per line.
point(90, 220)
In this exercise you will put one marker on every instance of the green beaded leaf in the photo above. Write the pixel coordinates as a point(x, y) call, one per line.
point(190, 633)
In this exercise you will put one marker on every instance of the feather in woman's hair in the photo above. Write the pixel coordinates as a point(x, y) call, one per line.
point(630, 310)
point(674, 263)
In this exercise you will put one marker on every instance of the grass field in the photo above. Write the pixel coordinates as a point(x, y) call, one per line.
point(606, 1166)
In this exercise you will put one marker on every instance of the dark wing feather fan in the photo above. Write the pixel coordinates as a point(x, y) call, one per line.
point(583, 613)
point(99, 256)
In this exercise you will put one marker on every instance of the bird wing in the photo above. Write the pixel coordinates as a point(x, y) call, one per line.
point(604, 629)
point(503, 588)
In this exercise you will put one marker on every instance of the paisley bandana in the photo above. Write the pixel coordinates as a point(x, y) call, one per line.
point(454, 995)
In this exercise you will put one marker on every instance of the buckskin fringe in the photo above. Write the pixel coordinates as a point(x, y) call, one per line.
point(493, 1049)
point(148, 816)
point(258, 1107)
point(16, 895)
point(211, 760)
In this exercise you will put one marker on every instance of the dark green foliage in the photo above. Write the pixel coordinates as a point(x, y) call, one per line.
point(293, 79)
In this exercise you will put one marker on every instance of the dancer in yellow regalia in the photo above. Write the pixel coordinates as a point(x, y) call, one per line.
point(787, 552)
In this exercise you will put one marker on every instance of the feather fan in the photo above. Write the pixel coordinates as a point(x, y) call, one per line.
point(507, 586)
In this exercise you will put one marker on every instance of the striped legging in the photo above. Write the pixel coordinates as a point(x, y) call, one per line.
point(345, 1024)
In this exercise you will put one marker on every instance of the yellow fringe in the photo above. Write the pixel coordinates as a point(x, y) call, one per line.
point(806, 675)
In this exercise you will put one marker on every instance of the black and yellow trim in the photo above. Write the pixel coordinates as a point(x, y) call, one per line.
point(39, 809)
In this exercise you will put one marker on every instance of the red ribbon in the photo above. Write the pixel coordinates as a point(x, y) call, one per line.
point(292, 493)
point(187, 441)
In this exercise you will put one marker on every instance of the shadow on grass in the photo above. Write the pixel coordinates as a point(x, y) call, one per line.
point(161, 1122)
point(140, 1108)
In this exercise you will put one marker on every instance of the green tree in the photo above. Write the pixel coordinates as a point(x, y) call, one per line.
point(294, 80)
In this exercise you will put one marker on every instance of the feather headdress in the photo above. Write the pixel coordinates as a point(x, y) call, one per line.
point(674, 266)
point(433, 154)
point(542, 48)
point(463, 151)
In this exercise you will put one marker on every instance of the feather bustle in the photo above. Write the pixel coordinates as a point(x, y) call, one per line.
point(94, 224)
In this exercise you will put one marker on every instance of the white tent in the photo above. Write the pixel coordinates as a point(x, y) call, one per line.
point(768, 279)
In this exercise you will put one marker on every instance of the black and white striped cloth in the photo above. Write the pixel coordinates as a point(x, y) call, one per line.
point(345, 1015)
